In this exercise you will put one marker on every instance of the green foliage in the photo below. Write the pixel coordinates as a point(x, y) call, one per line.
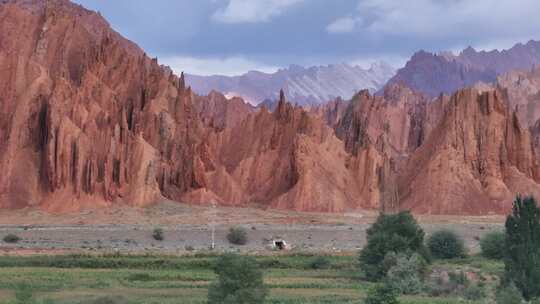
point(144, 277)
point(23, 293)
point(107, 300)
point(382, 294)
point(445, 244)
point(522, 263)
point(508, 295)
point(237, 236)
point(390, 233)
point(406, 275)
point(320, 262)
point(493, 245)
point(474, 293)
point(240, 281)
point(456, 284)
point(158, 234)
point(11, 238)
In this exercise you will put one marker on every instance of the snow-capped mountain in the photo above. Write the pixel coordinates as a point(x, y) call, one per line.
point(304, 86)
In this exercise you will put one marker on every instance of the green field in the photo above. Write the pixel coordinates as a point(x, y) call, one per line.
point(184, 279)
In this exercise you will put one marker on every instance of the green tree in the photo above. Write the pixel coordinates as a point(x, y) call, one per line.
point(522, 262)
point(240, 281)
point(398, 233)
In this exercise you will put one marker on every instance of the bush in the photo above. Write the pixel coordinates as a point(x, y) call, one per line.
point(522, 243)
point(493, 245)
point(406, 275)
point(320, 262)
point(107, 300)
point(508, 295)
point(158, 235)
point(237, 236)
point(474, 293)
point(381, 294)
point(11, 238)
point(390, 233)
point(457, 284)
point(445, 244)
point(240, 281)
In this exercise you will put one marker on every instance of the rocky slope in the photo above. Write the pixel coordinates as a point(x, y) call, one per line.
point(304, 86)
point(475, 160)
point(88, 120)
point(434, 74)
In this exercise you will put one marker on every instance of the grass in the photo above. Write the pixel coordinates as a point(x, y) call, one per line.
point(80, 279)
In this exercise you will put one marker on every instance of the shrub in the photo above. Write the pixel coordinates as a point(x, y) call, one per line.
point(237, 236)
point(240, 281)
point(390, 233)
point(158, 235)
point(522, 262)
point(457, 283)
point(11, 238)
point(381, 294)
point(493, 245)
point(144, 277)
point(474, 293)
point(406, 275)
point(445, 244)
point(107, 300)
point(508, 295)
point(320, 262)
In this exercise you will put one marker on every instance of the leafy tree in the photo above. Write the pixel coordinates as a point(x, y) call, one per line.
point(240, 281)
point(407, 274)
point(493, 245)
point(382, 294)
point(522, 262)
point(390, 233)
point(508, 295)
point(445, 244)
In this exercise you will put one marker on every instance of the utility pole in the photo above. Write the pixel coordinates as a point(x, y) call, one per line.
point(213, 224)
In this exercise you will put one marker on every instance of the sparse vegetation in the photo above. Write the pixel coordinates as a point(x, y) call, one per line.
point(240, 281)
point(445, 244)
point(390, 233)
point(237, 236)
point(522, 264)
point(11, 238)
point(158, 234)
point(493, 245)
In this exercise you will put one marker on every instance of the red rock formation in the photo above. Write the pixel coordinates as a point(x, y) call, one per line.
point(87, 118)
point(474, 162)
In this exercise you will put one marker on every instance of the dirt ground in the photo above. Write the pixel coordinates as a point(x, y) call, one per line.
point(188, 228)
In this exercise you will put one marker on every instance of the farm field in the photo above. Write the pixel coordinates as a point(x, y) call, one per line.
point(115, 278)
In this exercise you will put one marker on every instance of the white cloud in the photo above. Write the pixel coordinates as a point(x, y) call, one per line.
point(432, 18)
point(229, 66)
point(344, 25)
point(480, 20)
point(251, 11)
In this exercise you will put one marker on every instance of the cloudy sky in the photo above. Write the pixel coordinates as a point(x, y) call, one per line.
point(233, 36)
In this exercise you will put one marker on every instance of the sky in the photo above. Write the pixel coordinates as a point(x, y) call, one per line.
point(231, 37)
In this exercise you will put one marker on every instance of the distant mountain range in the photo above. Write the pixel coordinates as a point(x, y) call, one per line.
point(434, 74)
point(304, 86)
